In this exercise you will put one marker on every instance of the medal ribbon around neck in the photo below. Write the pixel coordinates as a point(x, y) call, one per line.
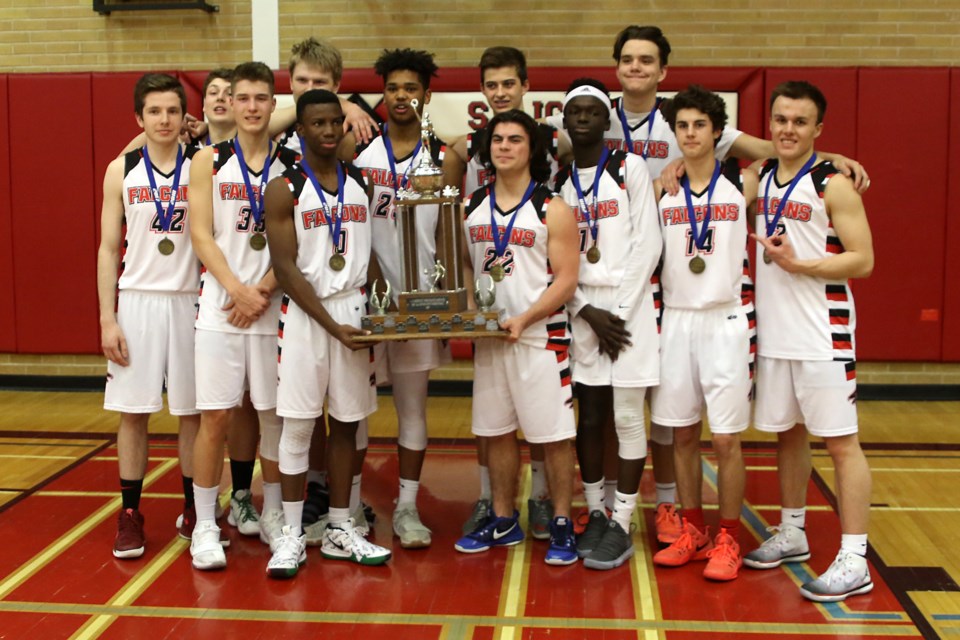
point(772, 224)
point(700, 238)
point(622, 114)
point(330, 215)
point(256, 200)
point(500, 242)
point(399, 181)
point(592, 221)
point(164, 217)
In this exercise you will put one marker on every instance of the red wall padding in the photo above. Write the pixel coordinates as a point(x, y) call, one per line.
point(8, 323)
point(53, 223)
point(907, 311)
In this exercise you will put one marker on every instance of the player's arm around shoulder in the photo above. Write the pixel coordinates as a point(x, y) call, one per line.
point(112, 340)
point(751, 185)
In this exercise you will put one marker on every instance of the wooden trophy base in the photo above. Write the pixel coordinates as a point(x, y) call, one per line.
point(434, 326)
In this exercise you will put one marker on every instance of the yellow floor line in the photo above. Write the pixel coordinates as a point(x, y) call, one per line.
point(67, 540)
point(516, 573)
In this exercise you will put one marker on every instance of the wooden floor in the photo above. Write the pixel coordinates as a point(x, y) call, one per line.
point(58, 579)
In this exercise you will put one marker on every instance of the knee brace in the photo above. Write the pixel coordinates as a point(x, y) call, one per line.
point(294, 447)
point(661, 435)
point(271, 425)
point(629, 420)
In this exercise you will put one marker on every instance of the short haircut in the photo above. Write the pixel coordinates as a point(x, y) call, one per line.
point(317, 53)
point(222, 73)
point(155, 83)
point(315, 96)
point(696, 97)
point(539, 163)
point(798, 90)
point(252, 72)
point(420, 62)
point(497, 57)
point(649, 33)
point(590, 82)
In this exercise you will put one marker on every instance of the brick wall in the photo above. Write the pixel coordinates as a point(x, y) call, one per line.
point(67, 35)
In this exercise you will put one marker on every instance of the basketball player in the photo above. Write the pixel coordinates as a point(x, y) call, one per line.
point(503, 81)
point(239, 304)
point(320, 241)
point(387, 162)
point(615, 350)
point(707, 329)
point(813, 237)
point(525, 239)
point(149, 338)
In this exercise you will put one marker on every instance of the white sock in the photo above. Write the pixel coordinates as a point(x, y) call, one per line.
point(293, 515)
point(623, 508)
point(337, 515)
point(408, 491)
point(272, 496)
point(855, 543)
point(355, 493)
point(666, 492)
point(796, 517)
point(609, 491)
point(593, 493)
point(485, 492)
point(538, 480)
point(319, 477)
point(205, 502)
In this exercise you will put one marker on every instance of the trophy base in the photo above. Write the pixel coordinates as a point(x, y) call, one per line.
point(430, 302)
point(432, 326)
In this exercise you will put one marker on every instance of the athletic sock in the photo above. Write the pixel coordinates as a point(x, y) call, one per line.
point(694, 517)
point(293, 515)
point(732, 526)
point(273, 497)
point(593, 494)
point(187, 491)
point(130, 491)
point(241, 472)
point(337, 515)
point(796, 517)
point(666, 492)
point(408, 491)
point(205, 501)
point(855, 543)
point(623, 508)
point(538, 480)
point(485, 493)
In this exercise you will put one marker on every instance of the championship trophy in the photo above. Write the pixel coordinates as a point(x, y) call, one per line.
point(440, 311)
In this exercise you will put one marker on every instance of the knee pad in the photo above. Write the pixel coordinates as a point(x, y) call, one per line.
point(629, 420)
point(294, 446)
point(661, 435)
point(271, 425)
point(363, 441)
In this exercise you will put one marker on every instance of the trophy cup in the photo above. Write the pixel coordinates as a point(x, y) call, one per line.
point(435, 311)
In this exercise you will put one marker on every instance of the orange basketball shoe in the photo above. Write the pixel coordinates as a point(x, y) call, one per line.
point(668, 524)
point(691, 545)
point(724, 559)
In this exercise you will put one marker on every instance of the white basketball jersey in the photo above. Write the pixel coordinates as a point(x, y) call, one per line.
point(143, 267)
point(480, 174)
point(525, 262)
point(233, 226)
point(315, 245)
point(290, 139)
point(802, 317)
point(374, 163)
point(725, 279)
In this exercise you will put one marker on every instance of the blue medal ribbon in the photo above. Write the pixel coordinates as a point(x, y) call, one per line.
point(164, 217)
point(500, 242)
point(592, 221)
point(330, 215)
point(399, 181)
point(700, 238)
point(772, 224)
point(256, 200)
point(622, 114)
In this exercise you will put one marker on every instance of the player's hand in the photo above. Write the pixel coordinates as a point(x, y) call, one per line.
point(514, 326)
point(670, 176)
point(191, 128)
point(355, 118)
point(249, 301)
point(853, 170)
point(610, 329)
point(345, 335)
point(780, 251)
point(114, 344)
point(237, 319)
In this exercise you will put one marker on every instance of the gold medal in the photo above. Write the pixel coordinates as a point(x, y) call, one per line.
point(593, 255)
point(165, 247)
point(337, 262)
point(766, 257)
point(497, 272)
point(258, 242)
point(697, 265)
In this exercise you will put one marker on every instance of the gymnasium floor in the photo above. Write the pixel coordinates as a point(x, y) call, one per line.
point(58, 579)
